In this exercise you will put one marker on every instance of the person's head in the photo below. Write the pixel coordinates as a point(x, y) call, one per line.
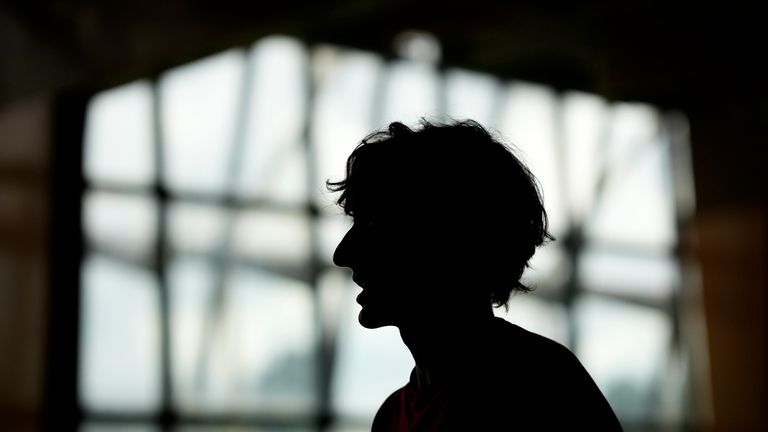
point(446, 219)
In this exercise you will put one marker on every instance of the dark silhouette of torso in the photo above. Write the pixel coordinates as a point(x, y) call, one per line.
point(520, 382)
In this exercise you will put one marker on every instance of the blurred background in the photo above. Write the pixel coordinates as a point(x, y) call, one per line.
point(166, 237)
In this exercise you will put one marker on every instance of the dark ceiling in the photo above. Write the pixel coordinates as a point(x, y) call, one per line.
point(667, 53)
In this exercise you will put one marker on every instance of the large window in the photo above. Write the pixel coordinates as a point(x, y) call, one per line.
point(209, 296)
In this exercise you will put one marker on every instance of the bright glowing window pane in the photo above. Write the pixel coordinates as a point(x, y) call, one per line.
point(342, 111)
point(192, 282)
point(331, 229)
point(120, 351)
point(636, 206)
point(229, 428)
point(624, 347)
point(529, 122)
point(272, 237)
point(120, 223)
point(641, 275)
point(274, 163)
point(118, 136)
point(117, 427)
point(199, 110)
point(539, 316)
point(196, 227)
point(333, 295)
point(411, 93)
point(370, 364)
point(342, 427)
point(259, 356)
point(585, 121)
point(471, 95)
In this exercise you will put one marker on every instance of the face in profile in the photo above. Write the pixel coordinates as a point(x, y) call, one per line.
point(469, 217)
point(389, 262)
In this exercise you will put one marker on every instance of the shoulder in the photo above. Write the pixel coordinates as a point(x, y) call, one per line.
point(542, 369)
point(513, 340)
point(388, 414)
point(538, 358)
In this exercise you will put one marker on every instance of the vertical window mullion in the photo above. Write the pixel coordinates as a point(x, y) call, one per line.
point(167, 414)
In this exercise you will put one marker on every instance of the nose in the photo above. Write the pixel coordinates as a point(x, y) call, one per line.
point(342, 256)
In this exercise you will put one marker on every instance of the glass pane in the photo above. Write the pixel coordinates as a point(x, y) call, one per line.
point(117, 427)
point(239, 428)
point(585, 123)
point(411, 93)
point(539, 316)
point(636, 204)
point(330, 230)
point(119, 136)
point(272, 237)
point(471, 95)
point(529, 123)
point(625, 349)
point(642, 275)
point(370, 365)
point(332, 293)
point(120, 223)
point(343, 427)
point(120, 351)
point(196, 227)
point(192, 282)
point(346, 84)
point(258, 356)
point(199, 109)
point(274, 158)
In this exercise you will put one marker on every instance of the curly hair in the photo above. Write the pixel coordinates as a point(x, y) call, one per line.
point(469, 183)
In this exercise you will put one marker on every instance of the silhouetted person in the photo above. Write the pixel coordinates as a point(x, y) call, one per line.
point(445, 221)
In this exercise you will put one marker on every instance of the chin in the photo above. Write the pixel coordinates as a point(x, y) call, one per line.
point(371, 318)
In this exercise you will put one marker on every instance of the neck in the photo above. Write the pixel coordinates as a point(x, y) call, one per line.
point(443, 349)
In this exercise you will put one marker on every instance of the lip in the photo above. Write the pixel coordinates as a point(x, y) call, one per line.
point(364, 297)
point(361, 300)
